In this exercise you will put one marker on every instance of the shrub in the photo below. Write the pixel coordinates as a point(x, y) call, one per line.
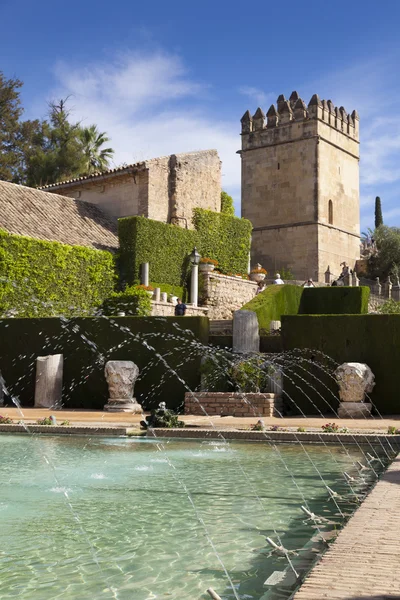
point(390, 307)
point(134, 301)
point(251, 375)
point(40, 279)
point(5, 420)
point(45, 421)
point(330, 428)
point(162, 417)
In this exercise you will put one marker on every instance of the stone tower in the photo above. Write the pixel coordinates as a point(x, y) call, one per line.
point(300, 186)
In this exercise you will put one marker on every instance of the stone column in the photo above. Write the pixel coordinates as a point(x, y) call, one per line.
point(355, 380)
point(396, 290)
point(144, 274)
point(194, 285)
point(355, 280)
point(49, 380)
point(157, 294)
point(246, 336)
point(164, 297)
point(121, 376)
point(388, 289)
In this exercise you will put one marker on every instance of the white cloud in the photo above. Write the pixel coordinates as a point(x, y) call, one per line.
point(257, 96)
point(149, 107)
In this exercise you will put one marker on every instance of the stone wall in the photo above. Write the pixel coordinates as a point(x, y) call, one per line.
point(222, 294)
point(166, 309)
point(233, 404)
point(165, 189)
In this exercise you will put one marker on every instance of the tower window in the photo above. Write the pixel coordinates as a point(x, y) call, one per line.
point(279, 166)
point(330, 212)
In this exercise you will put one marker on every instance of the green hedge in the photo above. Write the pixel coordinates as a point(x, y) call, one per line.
point(87, 343)
point(334, 301)
point(278, 300)
point(39, 278)
point(133, 301)
point(167, 247)
point(328, 340)
point(226, 239)
point(273, 302)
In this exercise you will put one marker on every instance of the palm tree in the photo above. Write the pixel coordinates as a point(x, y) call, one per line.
point(95, 157)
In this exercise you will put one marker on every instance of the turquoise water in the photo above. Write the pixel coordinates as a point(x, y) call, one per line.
point(106, 518)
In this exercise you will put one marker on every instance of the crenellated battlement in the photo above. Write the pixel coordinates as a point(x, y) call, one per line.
point(294, 110)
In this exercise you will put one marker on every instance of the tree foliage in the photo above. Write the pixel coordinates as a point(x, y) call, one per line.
point(41, 152)
point(378, 213)
point(387, 260)
point(227, 206)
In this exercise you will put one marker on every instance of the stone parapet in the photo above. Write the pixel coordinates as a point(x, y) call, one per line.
point(233, 404)
point(166, 309)
point(223, 294)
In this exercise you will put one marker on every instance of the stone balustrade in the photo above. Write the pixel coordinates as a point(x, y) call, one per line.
point(167, 309)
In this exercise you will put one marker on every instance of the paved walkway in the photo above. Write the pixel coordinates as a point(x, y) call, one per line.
point(98, 417)
point(364, 561)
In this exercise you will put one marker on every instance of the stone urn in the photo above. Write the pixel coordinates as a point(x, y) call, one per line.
point(355, 380)
point(256, 274)
point(206, 267)
point(121, 376)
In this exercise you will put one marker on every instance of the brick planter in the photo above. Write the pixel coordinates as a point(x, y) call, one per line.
point(233, 404)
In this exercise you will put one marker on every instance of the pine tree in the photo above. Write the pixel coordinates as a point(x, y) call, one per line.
point(378, 213)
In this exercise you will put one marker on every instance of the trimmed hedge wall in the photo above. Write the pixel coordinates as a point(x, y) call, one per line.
point(329, 340)
point(275, 301)
point(39, 278)
point(334, 301)
point(87, 343)
point(167, 247)
point(278, 300)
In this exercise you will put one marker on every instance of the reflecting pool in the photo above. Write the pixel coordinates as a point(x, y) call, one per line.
point(111, 517)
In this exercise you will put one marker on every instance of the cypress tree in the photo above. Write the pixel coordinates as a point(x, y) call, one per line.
point(378, 212)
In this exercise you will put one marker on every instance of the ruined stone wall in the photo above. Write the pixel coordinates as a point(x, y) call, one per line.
point(117, 197)
point(300, 185)
point(222, 294)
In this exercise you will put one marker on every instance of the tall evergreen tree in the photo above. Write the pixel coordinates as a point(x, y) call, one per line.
point(378, 213)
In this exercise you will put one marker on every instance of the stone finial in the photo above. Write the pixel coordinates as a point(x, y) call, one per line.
point(281, 100)
point(272, 116)
point(258, 119)
point(315, 107)
point(293, 98)
point(286, 113)
point(247, 122)
point(300, 110)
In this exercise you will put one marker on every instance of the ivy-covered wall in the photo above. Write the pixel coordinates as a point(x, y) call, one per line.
point(164, 348)
point(39, 278)
point(167, 247)
point(316, 344)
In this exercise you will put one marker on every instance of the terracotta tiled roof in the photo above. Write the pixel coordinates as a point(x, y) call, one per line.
point(45, 216)
point(121, 170)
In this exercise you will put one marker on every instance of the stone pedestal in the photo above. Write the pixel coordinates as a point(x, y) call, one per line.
point(121, 376)
point(49, 381)
point(246, 337)
point(355, 380)
point(354, 410)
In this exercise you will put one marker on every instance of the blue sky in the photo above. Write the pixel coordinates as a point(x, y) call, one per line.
point(163, 77)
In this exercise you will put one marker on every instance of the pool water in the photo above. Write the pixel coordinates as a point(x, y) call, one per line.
point(105, 518)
